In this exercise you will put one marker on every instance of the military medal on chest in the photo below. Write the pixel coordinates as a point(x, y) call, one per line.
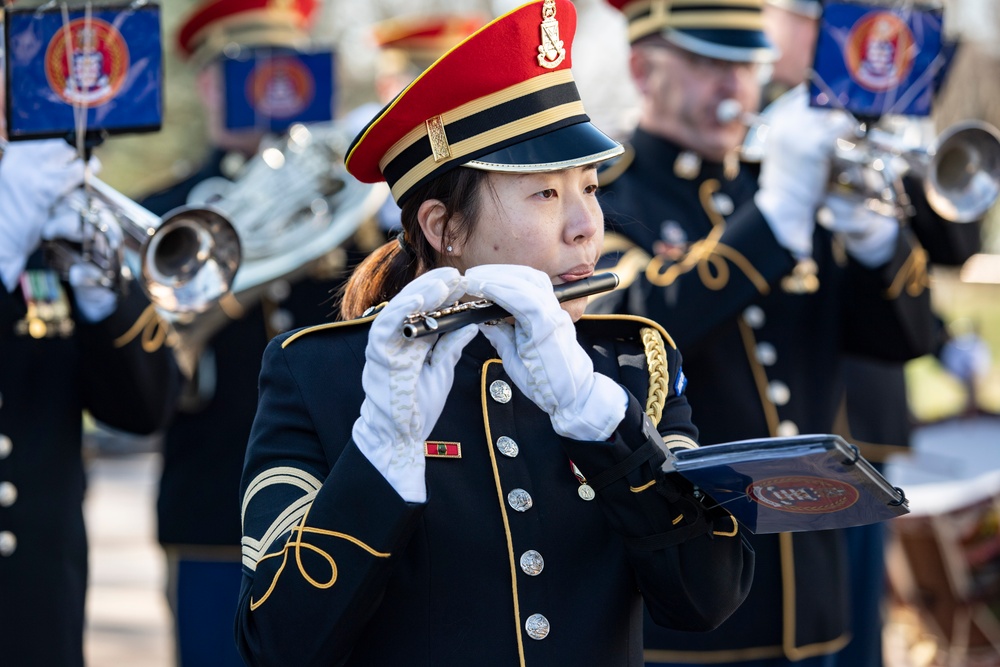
point(585, 491)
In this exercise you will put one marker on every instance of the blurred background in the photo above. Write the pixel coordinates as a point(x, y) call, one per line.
point(968, 301)
point(128, 623)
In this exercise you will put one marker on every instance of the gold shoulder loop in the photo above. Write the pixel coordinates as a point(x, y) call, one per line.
point(152, 331)
point(631, 263)
point(912, 276)
point(659, 373)
point(329, 325)
point(613, 171)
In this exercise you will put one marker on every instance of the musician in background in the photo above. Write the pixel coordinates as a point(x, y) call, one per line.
point(198, 522)
point(66, 346)
point(464, 499)
point(874, 413)
point(762, 299)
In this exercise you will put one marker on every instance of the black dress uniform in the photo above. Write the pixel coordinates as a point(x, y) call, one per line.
point(506, 563)
point(762, 352)
point(45, 385)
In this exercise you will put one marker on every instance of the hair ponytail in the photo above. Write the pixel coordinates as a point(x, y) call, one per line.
point(382, 274)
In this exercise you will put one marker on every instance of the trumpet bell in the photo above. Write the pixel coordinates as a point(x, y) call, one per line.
point(963, 179)
point(190, 260)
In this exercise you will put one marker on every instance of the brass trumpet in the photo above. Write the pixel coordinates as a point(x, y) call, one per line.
point(186, 260)
point(959, 171)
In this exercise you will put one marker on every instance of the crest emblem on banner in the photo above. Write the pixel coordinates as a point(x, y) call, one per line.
point(94, 69)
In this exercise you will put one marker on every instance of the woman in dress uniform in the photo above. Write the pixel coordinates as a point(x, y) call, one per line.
point(494, 494)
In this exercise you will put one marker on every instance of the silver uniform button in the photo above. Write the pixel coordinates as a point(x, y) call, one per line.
point(507, 446)
point(754, 317)
point(520, 500)
point(279, 290)
point(8, 543)
point(766, 354)
point(6, 446)
point(537, 626)
point(281, 320)
point(788, 428)
point(723, 203)
point(532, 563)
point(500, 391)
point(8, 494)
point(779, 392)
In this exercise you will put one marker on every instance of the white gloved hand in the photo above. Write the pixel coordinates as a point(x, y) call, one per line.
point(541, 354)
point(795, 169)
point(93, 297)
point(869, 236)
point(34, 175)
point(407, 382)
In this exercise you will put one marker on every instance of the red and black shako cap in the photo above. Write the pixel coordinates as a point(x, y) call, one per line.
point(503, 99)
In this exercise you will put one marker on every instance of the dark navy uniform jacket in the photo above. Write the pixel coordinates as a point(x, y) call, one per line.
point(762, 357)
point(205, 443)
point(878, 417)
point(339, 570)
point(113, 369)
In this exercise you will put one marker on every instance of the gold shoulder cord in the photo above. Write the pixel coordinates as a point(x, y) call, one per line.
point(912, 276)
point(708, 255)
point(659, 374)
point(153, 329)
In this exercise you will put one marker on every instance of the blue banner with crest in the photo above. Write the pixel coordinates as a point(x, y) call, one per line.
point(96, 69)
point(874, 60)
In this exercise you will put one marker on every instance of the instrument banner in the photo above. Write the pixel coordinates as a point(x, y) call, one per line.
point(95, 69)
point(270, 89)
point(874, 60)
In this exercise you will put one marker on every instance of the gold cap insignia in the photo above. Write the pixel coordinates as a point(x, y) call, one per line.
point(438, 138)
point(552, 50)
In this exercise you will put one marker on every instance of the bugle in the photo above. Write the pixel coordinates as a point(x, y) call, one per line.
point(186, 260)
point(959, 170)
point(459, 314)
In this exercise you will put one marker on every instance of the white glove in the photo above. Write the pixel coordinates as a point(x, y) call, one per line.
point(795, 168)
point(34, 175)
point(407, 382)
point(869, 236)
point(542, 356)
point(94, 298)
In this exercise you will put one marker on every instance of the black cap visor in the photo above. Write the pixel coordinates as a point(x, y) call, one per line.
point(571, 146)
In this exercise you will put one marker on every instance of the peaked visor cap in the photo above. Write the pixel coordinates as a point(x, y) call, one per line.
point(503, 99)
point(213, 23)
point(721, 29)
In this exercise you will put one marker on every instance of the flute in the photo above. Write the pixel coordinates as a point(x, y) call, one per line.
point(459, 314)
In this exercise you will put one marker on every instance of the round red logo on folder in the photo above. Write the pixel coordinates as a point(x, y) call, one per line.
point(803, 494)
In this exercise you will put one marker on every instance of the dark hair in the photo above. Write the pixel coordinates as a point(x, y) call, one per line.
point(389, 268)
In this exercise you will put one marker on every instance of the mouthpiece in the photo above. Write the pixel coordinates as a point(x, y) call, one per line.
point(728, 111)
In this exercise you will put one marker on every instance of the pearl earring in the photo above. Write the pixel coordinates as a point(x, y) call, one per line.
point(448, 248)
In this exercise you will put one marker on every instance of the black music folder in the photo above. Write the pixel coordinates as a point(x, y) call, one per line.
point(778, 485)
